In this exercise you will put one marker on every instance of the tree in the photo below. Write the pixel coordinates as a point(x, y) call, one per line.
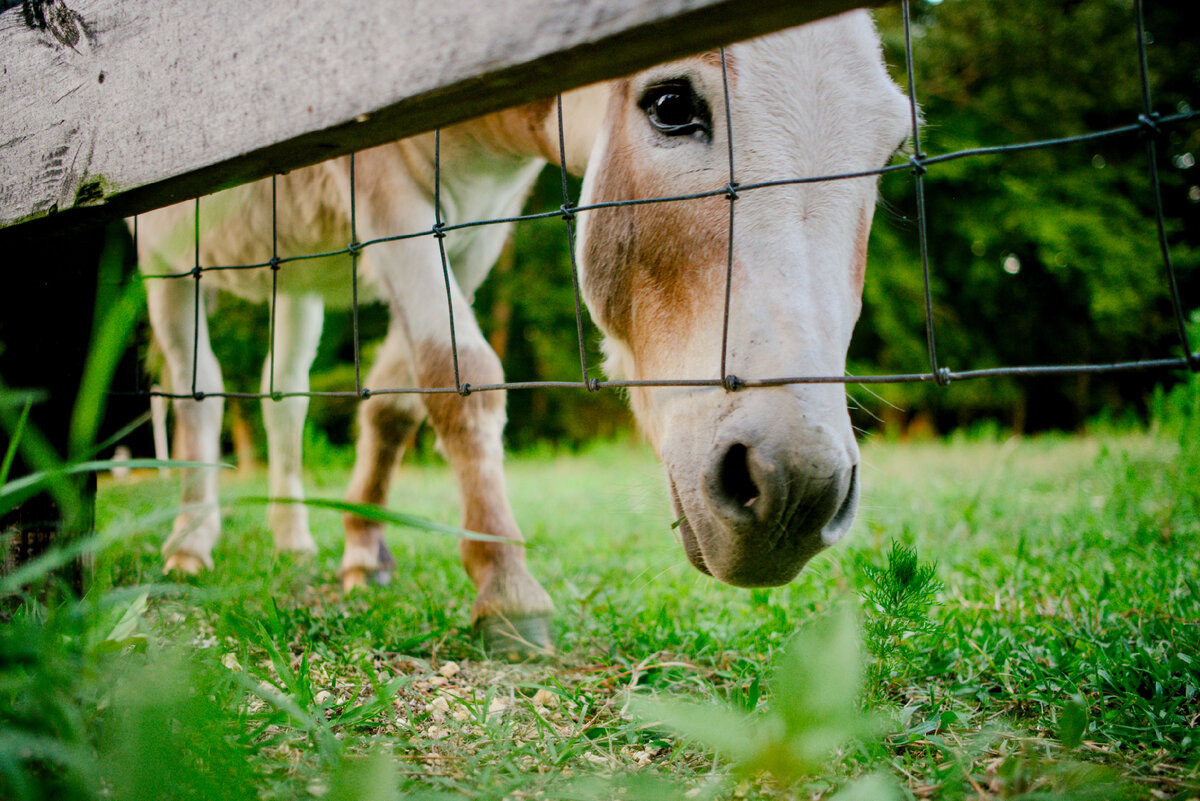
point(1044, 256)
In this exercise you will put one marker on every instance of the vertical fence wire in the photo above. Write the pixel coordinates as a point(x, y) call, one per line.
point(196, 302)
point(137, 367)
point(1149, 119)
point(730, 382)
point(274, 287)
point(440, 235)
point(568, 215)
point(942, 377)
point(354, 249)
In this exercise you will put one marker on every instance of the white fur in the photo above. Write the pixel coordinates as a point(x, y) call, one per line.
point(807, 102)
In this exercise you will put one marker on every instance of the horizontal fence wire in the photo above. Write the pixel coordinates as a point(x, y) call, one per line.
point(1148, 124)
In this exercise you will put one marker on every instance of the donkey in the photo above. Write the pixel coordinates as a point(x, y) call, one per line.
point(760, 480)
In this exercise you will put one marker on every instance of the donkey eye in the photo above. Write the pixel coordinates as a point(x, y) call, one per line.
point(674, 110)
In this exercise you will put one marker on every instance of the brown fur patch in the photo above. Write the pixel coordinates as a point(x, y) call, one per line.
point(454, 415)
point(520, 131)
point(387, 424)
point(470, 430)
point(713, 57)
point(652, 268)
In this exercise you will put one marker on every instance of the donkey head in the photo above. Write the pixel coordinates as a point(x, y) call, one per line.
point(761, 479)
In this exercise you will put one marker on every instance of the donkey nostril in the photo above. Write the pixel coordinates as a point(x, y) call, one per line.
point(736, 482)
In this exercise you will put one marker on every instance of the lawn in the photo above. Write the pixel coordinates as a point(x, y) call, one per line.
point(1058, 658)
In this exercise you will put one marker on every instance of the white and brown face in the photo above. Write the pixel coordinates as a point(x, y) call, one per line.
point(761, 479)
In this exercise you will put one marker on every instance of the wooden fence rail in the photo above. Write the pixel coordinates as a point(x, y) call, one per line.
point(114, 107)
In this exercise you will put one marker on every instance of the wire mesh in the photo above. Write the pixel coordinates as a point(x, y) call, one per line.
point(1148, 124)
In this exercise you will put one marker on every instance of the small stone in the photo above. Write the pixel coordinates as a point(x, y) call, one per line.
point(438, 681)
point(439, 708)
point(322, 696)
point(450, 670)
point(230, 661)
point(545, 698)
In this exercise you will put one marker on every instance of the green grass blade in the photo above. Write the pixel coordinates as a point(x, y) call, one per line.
point(120, 434)
point(15, 438)
point(17, 490)
point(378, 514)
point(115, 319)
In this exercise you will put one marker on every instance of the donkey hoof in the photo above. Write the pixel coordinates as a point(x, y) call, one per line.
point(353, 578)
point(184, 563)
point(356, 577)
point(515, 638)
point(303, 550)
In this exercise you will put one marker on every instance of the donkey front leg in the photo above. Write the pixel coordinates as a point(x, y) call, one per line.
point(183, 337)
point(298, 320)
point(512, 612)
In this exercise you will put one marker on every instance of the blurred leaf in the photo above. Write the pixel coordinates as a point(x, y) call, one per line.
point(813, 708)
point(370, 778)
point(1072, 724)
point(870, 788)
point(733, 734)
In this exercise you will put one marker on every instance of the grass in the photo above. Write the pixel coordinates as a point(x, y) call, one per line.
point(1053, 651)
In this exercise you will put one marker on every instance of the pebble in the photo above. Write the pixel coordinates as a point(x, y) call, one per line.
point(449, 670)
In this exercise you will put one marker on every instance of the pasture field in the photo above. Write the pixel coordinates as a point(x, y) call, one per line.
point(1059, 658)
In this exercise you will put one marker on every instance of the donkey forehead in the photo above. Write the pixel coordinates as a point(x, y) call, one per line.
point(819, 93)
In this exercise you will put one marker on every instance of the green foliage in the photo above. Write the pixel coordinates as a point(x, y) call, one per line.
point(1074, 222)
point(814, 708)
point(898, 600)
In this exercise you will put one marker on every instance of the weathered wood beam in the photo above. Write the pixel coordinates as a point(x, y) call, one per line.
point(113, 107)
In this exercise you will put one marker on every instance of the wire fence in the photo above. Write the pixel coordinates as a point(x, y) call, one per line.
point(1147, 124)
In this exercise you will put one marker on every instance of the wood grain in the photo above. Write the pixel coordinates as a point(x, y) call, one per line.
point(112, 107)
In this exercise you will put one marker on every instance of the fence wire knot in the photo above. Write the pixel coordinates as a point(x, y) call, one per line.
point(593, 385)
point(465, 389)
point(1149, 123)
point(197, 271)
point(568, 211)
point(354, 248)
point(364, 393)
point(732, 383)
point(439, 230)
point(275, 263)
point(197, 395)
point(277, 396)
point(731, 189)
point(918, 164)
point(942, 376)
